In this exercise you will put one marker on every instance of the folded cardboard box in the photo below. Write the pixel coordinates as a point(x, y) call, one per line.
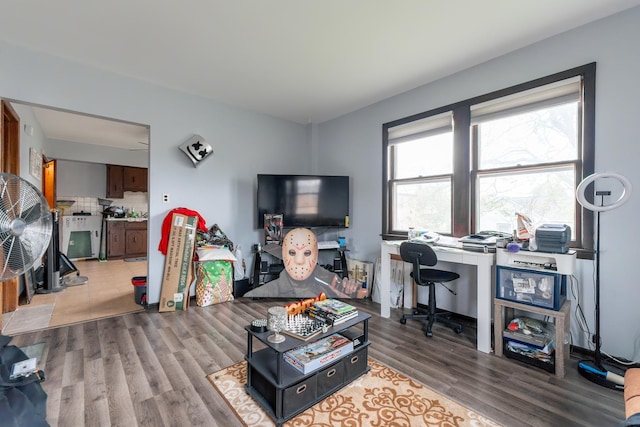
point(178, 264)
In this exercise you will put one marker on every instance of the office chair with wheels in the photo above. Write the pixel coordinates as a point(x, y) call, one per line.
point(418, 255)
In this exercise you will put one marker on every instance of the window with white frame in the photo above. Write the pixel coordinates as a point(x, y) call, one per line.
point(470, 166)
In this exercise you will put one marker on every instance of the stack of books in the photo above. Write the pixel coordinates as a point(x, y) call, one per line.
point(320, 353)
point(332, 311)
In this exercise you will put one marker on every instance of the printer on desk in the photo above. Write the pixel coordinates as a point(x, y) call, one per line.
point(553, 238)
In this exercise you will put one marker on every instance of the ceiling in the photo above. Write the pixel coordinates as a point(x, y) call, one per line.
point(304, 61)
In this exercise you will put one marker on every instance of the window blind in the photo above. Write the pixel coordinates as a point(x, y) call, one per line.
point(421, 128)
point(561, 92)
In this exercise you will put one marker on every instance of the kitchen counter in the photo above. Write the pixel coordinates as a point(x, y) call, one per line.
point(126, 219)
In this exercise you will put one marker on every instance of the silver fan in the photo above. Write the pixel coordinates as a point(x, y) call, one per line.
point(25, 226)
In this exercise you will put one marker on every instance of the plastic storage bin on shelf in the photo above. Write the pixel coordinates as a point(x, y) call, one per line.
point(536, 288)
point(537, 279)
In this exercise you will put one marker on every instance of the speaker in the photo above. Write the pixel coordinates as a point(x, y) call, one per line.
point(337, 265)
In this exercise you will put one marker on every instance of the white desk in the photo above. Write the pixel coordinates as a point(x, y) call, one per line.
point(484, 265)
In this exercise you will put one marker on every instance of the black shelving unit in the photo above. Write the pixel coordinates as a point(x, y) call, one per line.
point(285, 392)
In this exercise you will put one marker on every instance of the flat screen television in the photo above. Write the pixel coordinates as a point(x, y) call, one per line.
point(304, 200)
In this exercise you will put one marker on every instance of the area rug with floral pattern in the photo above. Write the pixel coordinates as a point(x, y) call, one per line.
point(382, 397)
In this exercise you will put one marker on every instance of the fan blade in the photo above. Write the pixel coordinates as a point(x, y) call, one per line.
point(32, 214)
point(17, 257)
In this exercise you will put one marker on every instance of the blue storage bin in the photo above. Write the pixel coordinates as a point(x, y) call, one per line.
point(532, 287)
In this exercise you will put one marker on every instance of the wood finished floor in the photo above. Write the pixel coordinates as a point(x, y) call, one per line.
point(108, 292)
point(148, 369)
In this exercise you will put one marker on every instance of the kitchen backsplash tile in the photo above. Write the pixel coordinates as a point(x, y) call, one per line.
point(132, 200)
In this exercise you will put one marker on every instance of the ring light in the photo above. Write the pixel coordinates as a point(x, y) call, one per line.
point(626, 191)
point(594, 370)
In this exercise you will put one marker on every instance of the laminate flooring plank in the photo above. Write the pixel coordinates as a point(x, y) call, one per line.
point(228, 322)
point(162, 320)
point(95, 394)
point(72, 405)
point(250, 308)
point(190, 323)
point(148, 414)
point(91, 339)
point(108, 337)
point(171, 340)
point(202, 319)
point(75, 338)
point(210, 356)
point(153, 337)
point(197, 412)
point(56, 358)
point(213, 402)
point(223, 350)
point(226, 342)
point(120, 404)
point(139, 388)
point(73, 371)
point(53, 403)
point(132, 319)
point(169, 367)
point(149, 362)
point(154, 317)
point(546, 393)
point(171, 406)
point(227, 325)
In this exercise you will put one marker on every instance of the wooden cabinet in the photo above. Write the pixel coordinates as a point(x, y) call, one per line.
point(126, 239)
point(115, 239)
point(134, 179)
point(136, 239)
point(115, 187)
point(125, 178)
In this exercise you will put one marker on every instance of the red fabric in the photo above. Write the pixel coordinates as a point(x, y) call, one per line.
point(166, 226)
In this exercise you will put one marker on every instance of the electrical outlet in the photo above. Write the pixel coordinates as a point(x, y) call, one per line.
point(165, 198)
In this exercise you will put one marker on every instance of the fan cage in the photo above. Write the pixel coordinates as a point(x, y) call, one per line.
point(25, 226)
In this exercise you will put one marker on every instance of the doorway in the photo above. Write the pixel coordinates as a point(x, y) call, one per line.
point(9, 163)
point(109, 291)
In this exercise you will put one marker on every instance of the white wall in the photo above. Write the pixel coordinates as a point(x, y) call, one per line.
point(222, 189)
point(353, 143)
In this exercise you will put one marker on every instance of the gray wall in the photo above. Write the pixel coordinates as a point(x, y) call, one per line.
point(67, 150)
point(36, 140)
point(81, 179)
point(353, 143)
point(222, 189)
